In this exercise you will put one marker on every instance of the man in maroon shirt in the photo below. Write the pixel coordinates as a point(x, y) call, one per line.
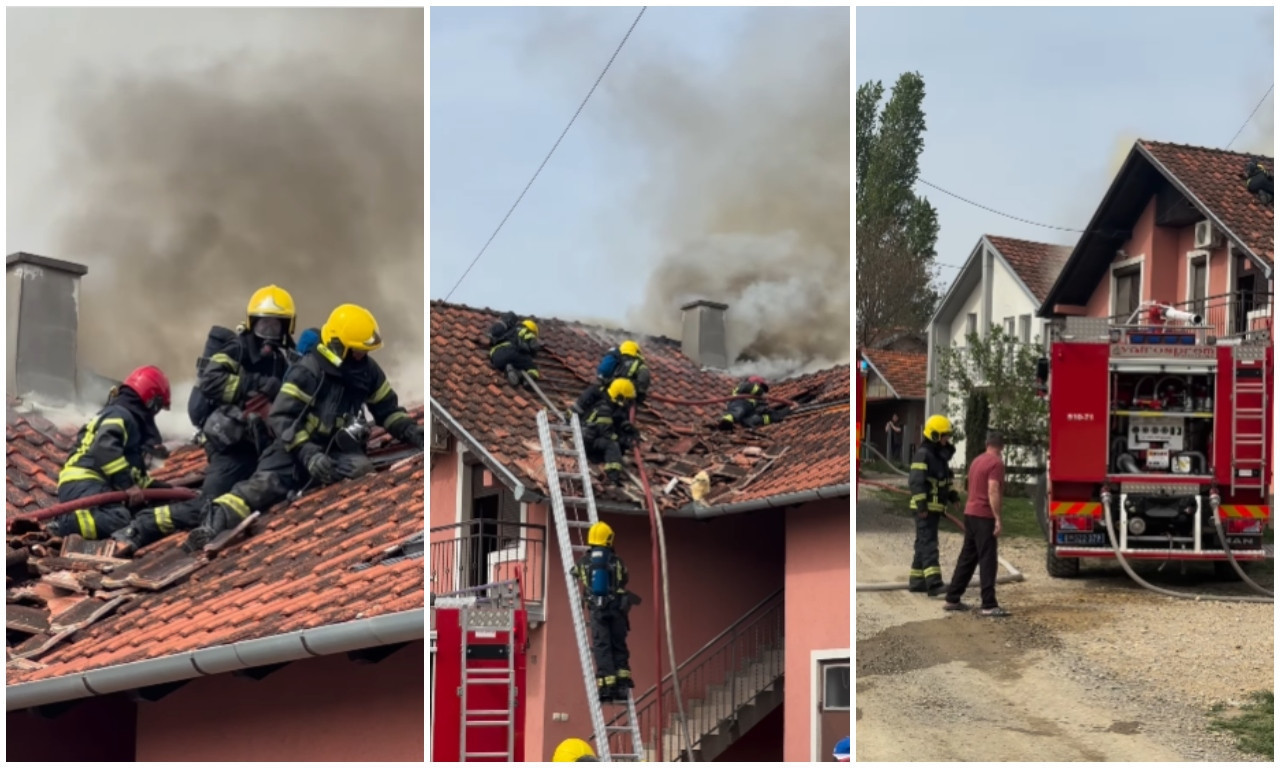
point(981, 530)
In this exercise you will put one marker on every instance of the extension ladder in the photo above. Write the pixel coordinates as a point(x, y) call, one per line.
point(488, 636)
point(575, 512)
point(1249, 404)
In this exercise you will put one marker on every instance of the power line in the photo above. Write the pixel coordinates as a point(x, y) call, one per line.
point(549, 154)
point(998, 213)
point(1249, 119)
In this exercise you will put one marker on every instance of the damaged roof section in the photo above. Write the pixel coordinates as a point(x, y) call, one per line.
point(806, 451)
point(72, 606)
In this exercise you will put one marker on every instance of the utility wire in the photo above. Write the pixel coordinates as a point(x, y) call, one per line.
point(998, 213)
point(549, 154)
point(1249, 119)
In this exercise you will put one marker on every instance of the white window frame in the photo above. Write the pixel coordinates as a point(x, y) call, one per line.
point(1192, 258)
point(1024, 328)
point(816, 680)
point(460, 490)
point(1141, 263)
point(971, 324)
point(1011, 326)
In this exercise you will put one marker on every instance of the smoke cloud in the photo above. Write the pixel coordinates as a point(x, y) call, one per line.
point(749, 191)
point(189, 191)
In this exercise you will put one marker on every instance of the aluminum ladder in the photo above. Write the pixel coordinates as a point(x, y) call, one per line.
point(480, 622)
point(1249, 405)
point(575, 512)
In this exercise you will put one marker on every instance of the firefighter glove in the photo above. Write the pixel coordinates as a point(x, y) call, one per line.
point(267, 386)
point(412, 434)
point(134, 497)
point(321, 467)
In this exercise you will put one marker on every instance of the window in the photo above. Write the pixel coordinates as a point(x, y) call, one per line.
point(835, 687)
point(1008, 328)
point(1024, 330)
point(1128, 290)
point(1198, 290)
point(971, 324)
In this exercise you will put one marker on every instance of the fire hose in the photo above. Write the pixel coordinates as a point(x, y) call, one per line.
point(1124, 563)
point(113, 497)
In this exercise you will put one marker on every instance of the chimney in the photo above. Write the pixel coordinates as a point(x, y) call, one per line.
point(41, 319)
point(703, 339)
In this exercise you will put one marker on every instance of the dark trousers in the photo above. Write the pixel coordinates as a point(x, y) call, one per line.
point(603, 449)
point(925, 571)
point(979, 551)
point(589, 397)
point(97, 523)
point(609, 628)
point(226, 468)
point(509, 355)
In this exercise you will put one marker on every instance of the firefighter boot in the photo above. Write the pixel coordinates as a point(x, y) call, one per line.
point(513, 376)
point(625, 681)
point(604, 691)
point(916, 581)
point(615, 477)
point(128, 541)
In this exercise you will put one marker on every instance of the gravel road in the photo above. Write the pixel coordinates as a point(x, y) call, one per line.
point(1095, 669)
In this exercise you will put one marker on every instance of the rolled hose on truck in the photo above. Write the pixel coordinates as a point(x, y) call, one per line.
point(114, 497)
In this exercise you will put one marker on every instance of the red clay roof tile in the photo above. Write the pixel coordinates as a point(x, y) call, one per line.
point(904, 371)
point(1037, 264)
point(503, 419)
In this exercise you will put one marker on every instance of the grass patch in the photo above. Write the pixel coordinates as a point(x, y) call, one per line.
point(1253, 724)
point(1018, 518)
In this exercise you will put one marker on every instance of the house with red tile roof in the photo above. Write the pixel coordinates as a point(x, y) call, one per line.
point(1002, 284)
point(895, 385)
point(1180, 226)
point(758, 566)
point(230, 656)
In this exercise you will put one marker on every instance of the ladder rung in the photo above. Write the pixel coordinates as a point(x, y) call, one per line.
point(563, 452)
point(486, 712)
point(579, 523)
point(560, 428)
point(579, 547)
point(1248, 412)
point(488, 723)
point(1247, 441)
point(488, 754)
point(488, 681)
point(579, 500)
point(625, 755)
point(618, 728)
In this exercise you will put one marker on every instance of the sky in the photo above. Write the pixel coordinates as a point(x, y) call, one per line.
point(687, 175)
point(189, 156)
point(1031, 111)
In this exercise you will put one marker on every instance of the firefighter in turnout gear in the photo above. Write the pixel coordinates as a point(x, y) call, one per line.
point(608, 430)
point(239, 377)
point(315, 420)
point(110, 455)
point(512, 347)
point(625, 362)
point(750, 412)
point(931, 492)
point(604, 582)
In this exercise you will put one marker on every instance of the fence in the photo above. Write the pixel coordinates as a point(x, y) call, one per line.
point(481, 551)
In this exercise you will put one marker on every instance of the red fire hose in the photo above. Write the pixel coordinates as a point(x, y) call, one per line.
point(115, 497)
point(714, 400)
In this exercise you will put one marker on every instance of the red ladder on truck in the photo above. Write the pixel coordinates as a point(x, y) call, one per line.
point(1249, 404)
point(488, 681)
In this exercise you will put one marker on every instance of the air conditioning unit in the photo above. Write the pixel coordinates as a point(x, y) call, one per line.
point(1206, 235)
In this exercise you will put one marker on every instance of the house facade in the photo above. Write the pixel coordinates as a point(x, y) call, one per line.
point(1002, 284)
point(758, 569)
point(1177, 226)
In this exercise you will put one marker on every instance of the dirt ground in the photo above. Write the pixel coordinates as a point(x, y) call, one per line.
point(1095, 669)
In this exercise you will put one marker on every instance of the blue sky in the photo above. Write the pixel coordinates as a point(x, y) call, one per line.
point(504, 81)
point(1030, 111)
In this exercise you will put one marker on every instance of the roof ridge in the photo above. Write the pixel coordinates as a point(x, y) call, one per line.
point(1040, 243)
point(1216, 150)
point(562, 320)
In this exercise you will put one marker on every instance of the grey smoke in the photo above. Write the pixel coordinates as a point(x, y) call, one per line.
point(188, 191)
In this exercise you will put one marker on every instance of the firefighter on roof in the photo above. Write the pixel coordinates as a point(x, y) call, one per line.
point(109, 455)
point(750, 412)
point(239, 376)
point(609, 431)
point(513, 344)
point(931, 492)
point(315, 420)
point(621, 362)
point(604, 583)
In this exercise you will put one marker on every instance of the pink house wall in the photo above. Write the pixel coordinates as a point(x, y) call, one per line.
point(322, 709)
point(719, 569)
point(817, 578)
point(444, 490)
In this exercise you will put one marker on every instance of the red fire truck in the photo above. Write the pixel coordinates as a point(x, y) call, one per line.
point(1158, 427)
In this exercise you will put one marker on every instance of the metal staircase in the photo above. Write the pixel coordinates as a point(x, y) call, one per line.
point(574, 510)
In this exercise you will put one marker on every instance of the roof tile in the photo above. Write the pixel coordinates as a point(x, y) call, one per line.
point(904, 371)
point(1037, 264)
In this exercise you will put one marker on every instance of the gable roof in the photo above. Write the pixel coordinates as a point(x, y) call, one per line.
point(904, 372)
point(807, 451)
point(1211, 182)
point(302, 566)
point(1036, 264)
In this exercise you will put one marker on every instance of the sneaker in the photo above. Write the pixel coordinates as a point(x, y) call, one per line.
point(994, 612)
point(957, 606)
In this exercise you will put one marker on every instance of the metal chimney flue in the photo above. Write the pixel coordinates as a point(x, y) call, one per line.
point(703, 338)
point(42, 322)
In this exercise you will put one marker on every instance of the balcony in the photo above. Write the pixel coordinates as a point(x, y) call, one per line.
point(466, 557)
point(1244, 315)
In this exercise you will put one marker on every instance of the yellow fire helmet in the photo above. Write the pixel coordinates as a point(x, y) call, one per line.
point(937, 426)
point(353, 327)
point(629, 348)
point(272, 301)
point(600, 535)
point(574, 751)
point(622, 389)
point(531, 326)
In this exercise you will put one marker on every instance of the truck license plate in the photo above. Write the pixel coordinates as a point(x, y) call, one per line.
point(1158, 459)
point(1083, 539)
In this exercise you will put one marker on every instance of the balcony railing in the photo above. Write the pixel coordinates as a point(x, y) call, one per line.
point(717, 680)
point(479, 552)
point(1242, 314)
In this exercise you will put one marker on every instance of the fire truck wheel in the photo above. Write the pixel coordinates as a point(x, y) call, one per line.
point(1061, 567)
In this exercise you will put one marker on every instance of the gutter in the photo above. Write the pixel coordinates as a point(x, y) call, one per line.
point(702, 512)
point(522, 493)
point(402, 627)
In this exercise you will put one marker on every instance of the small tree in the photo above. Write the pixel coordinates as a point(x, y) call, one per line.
point(977, 417)
point(1004, 371)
